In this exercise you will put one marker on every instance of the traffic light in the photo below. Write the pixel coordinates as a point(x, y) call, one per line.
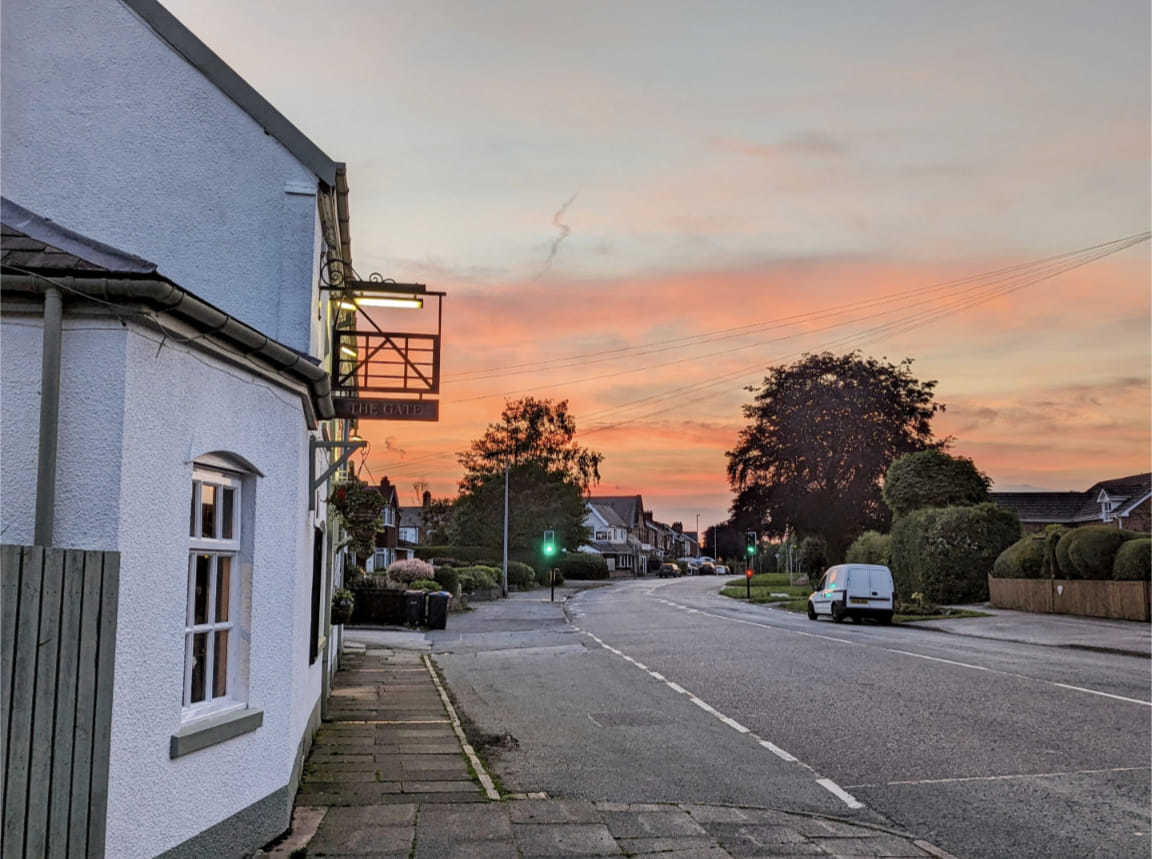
point(750, 542)
point(549, 543)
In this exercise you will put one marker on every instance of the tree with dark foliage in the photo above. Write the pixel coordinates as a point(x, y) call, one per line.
point(548, 476)
point(821, 434)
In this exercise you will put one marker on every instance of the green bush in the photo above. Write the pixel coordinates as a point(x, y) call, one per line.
point(812, 558)
point(478, 578)
point(449, 579)
point(1089, 552)
point(1134, 560)
point(946, 553)
point(871, 547)
point(544, 580)
point(933, 478)
point(1024, 559)
point(424, 585)
point(471, 554)
point(581, 565)
point(521, 575)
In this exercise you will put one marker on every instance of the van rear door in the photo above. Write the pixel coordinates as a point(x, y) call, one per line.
point(880, 585)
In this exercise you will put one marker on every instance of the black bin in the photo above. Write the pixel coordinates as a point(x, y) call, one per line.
point(414, 608)
point(438, 609)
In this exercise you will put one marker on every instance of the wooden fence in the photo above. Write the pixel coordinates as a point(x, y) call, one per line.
point(59, 639)
point(1088, 597)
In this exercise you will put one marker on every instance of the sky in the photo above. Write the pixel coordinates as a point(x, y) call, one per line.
point(607, 190)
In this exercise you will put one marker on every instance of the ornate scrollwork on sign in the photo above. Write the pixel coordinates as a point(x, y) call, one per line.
point(332, 276)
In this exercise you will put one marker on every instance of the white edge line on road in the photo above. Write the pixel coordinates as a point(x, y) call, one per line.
point(1102, 694)
point(999, 777)
point(481, 773)
point(968, 665)
point(837, 791)
point(825, 783)
point(779, 752)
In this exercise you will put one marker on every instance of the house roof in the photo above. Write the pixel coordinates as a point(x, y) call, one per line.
point(31, 241)
point(611, 548)
point(1057, 507)
point(411, 517)
point(630, 508)
point(608, 514)
point(209, 64)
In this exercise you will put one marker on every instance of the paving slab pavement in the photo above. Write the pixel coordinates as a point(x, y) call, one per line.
point(1128, 637)
point(391, 774)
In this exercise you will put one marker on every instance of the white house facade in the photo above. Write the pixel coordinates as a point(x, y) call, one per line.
point(189, 221)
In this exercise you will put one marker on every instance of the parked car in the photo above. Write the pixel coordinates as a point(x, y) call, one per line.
point(706, 559)
point(856, 591)
point(706, 569)
point(722, 570)
point(669, 571)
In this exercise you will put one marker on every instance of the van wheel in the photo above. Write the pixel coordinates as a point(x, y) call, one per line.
point(811, 611)
point(839, 612)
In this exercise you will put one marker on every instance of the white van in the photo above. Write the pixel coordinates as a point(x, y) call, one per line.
point(856, 591)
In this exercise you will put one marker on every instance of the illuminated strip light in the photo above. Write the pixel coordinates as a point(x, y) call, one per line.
point(414, 303)
point(411, 303)
point(349, 351)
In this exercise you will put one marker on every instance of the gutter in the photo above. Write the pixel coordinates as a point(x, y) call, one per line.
point(170, 298)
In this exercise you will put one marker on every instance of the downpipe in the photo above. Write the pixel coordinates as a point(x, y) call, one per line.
point(49, 416)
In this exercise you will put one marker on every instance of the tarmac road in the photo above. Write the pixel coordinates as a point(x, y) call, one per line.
point(664, 691)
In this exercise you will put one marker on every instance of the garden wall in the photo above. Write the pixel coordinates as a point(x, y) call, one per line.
point(1088, 597)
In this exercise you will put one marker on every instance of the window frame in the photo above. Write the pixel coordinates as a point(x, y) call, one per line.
point(216, 547)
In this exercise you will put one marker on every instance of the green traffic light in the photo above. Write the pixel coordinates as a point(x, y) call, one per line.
point(751, 550)
point(549, 549)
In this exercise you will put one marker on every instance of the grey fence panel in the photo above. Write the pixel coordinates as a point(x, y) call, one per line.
point(58, 655)
point(44, 706)
point(30, 569)
point(9, 603)
point(71, 604)
point(102, 723)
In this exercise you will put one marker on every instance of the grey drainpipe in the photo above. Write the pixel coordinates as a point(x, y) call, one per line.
point(165, 296)
point(49, 417)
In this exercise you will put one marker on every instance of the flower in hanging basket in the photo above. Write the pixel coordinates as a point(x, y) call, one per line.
point(343, 602)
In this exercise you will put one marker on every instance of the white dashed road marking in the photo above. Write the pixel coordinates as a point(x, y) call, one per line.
point(1000, 777)
point(967, 665)
point(825, 783)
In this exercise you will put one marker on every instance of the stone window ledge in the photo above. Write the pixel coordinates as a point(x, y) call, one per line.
point(214, 729)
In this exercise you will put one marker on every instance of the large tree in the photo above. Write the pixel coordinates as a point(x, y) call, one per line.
point(821, 434)
point(548, 474)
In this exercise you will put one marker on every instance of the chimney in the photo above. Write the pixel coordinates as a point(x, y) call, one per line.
point(426, 501)
point(678, 527)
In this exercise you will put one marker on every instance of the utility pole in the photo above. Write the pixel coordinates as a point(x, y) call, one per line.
point(504, 584)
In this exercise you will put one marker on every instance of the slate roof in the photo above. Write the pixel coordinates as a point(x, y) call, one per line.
point(611, 548)
point(33, 242)
point(629, 508)
point(608, 513)
point(411, 517)
point(1068, 507)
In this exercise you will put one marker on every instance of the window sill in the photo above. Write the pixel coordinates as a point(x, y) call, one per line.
point(212, 730)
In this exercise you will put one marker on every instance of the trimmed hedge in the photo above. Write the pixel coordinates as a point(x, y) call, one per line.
point(1024, 559)
point(1089, 552)
point(933, 478)
point(521, 575)
point(871, 547)
point(471, 554)
point(580, 565)
point(946, 553)
point(478, 578)
point(1134, 560)
point(424, 585)
point(544, 579)
point(449, 579)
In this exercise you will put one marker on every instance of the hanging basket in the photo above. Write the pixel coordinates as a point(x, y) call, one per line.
point(343, 604)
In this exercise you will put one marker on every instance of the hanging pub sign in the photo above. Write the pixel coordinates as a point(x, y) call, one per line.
point(387, 409)
point(369, 360)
